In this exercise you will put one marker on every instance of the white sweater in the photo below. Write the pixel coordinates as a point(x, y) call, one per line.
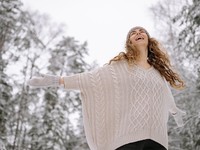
point(121, 104)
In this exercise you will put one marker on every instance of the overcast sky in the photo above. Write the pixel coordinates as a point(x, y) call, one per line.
point(102, 23)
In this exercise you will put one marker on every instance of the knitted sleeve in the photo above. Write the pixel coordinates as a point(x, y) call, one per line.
point(71, 82)
point(81, 81)
point(74, 82)
point(173, 109)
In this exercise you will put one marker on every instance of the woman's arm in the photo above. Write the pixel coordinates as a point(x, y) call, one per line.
point(173, 109)
point(46, 80)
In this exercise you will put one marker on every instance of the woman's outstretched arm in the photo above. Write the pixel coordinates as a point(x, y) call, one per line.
point(46, 80)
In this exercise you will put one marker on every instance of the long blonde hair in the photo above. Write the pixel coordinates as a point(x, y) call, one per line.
point(156, 57)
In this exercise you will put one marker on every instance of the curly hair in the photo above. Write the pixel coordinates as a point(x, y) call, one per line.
point(156, 58)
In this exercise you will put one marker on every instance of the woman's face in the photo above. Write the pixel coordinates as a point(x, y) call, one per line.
point(138, 37)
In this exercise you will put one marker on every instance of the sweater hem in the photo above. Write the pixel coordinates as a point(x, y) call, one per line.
point(134, 137)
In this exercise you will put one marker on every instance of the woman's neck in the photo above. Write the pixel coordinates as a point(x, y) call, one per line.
point(143, 58)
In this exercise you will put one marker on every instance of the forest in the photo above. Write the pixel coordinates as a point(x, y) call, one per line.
point(43, 119)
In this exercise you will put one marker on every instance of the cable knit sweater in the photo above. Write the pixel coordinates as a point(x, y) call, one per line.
point(123, 104)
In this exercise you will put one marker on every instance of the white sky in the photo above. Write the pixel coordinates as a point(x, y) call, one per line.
point(102, 23)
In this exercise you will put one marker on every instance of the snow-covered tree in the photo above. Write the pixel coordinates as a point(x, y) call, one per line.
point(189, 41)
point(56, 128)
point(9, 11)
point(68, 58)
point(37, 119)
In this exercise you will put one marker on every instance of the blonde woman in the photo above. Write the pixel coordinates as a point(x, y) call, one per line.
point(126, 102)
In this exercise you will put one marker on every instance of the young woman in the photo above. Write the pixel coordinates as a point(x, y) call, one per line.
point(126, 102)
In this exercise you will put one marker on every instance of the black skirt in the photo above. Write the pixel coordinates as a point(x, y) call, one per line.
point(147, 144)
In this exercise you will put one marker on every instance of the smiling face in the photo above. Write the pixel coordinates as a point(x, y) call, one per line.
point(138, 37)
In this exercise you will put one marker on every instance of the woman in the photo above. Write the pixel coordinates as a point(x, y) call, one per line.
point(126, 103)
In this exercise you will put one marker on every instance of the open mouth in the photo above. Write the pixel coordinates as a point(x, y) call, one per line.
point(139, 38)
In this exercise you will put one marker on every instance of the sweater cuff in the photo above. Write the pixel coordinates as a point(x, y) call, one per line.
point(178, 116)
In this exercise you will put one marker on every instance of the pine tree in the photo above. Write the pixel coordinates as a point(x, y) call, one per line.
point(189, 42)
point(68, 58)
point(37, 119)
point(9, 11)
